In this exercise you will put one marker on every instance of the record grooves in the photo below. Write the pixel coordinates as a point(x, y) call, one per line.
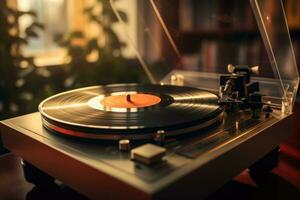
point(130, 111)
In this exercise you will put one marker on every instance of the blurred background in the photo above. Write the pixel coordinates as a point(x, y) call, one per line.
point(49, 46)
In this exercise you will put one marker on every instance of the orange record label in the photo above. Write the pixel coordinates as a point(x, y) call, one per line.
point(130, 101)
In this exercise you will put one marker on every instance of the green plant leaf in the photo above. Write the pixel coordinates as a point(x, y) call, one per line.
point(58, 37)
point(30, 32)
point(21, 13)
point(19, 40)
point(92, 44)
point(88, 10)
point(76, 34)
point(38, 25)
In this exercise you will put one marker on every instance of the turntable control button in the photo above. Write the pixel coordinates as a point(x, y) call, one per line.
point(148, 154)
point(124, 145)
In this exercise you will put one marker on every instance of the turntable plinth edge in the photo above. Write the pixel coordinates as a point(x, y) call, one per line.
point(25, 137)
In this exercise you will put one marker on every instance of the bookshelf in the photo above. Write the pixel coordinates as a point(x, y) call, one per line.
point(230, 35)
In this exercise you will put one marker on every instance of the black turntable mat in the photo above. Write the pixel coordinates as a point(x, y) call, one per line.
point(129, 109)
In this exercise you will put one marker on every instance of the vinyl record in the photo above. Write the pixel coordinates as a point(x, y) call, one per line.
point(130, 111)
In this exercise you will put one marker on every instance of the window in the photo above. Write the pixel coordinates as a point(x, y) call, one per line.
point(54, 15)
point(63, 16)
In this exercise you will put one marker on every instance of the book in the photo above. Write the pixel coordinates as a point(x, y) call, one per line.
point(205, 19)
point(209, 55)
point(242, 53)
point(186, 15)
point(293, 13)
point(190, 61)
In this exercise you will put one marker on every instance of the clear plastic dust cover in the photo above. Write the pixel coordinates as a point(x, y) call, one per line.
point(196, 41)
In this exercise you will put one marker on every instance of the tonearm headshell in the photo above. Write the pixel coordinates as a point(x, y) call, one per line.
point(237, 90)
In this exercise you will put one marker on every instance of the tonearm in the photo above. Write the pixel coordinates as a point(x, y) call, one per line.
point(237, 90)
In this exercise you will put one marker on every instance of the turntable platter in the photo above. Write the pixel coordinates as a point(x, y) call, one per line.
point(129, 111)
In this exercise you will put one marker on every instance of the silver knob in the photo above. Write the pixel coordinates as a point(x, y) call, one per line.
point(124, 145)
point(160, 137)
point(177, 79)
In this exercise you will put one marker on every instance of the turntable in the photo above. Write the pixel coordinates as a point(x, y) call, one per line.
point(182, 136)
